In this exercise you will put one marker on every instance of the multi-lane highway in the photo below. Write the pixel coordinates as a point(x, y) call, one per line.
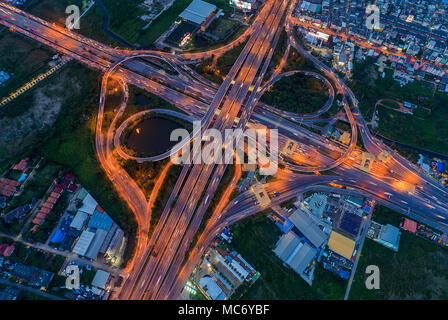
point(243, 74)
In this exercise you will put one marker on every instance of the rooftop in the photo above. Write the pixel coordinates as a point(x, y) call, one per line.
point(198, 11)
point(100, 279)
point(306, 225)
point(341, 244)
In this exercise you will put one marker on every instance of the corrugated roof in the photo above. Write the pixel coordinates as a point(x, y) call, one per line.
point(84, 242)
point(198, 11)
point(82, 194)
point(391, 234)
point(298, 255)
point(79, 220)
point(303, 256)
point(88, 204)
point(100, 279)
point(286, 245)
point(108, 238)
point(410, 225)
point(308, 228)
point(100, 221)
point(96, 243)
point(211, 287)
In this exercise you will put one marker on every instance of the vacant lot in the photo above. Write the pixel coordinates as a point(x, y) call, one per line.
point(221, 27)
point(419, 270)
point(425, 129)
point(90, 23)
point(22, 59)
point(34, 112)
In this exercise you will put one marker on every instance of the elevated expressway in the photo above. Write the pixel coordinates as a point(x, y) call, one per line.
point(169, 235)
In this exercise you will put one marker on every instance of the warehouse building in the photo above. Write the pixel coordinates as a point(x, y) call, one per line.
point(308, 228)
point(211, 288)
point(386, 235)
point(409, 225)
point(79, 220)
point(101, 279)
point(297, 254)
point(390, 237)
point(99, 233)
point(200, 13)
point(89, 204)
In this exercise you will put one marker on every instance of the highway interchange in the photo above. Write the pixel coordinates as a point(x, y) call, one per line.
point(159, 269)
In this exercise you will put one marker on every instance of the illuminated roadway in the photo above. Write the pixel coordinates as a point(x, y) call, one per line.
point(243, 71)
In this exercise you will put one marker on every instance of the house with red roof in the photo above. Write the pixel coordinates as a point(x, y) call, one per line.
point(72, 188)
point(9, 250)
point(8, 186)
point(58, 189)
point(3, 247)
point(409, 225)
point(22, 165)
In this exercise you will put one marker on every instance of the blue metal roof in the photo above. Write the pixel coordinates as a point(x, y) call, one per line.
point(391, 234)
point(58, 236)
point(439, 167)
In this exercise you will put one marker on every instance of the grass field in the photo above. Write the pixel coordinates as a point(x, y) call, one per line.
point(226, 61)
point(164, 194)
point(254, 238)
point(220, 27)
point(284, 94)
point(425, 129)
point(22, 59)
point(69, 143)
point(419, 270)
point(384, 215)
